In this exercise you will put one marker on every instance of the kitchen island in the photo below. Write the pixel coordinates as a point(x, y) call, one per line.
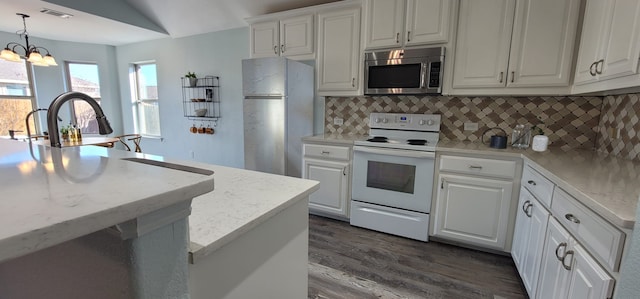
point(84, 223)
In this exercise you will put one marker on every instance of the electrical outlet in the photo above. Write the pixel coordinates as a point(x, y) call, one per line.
point(471, 127)
point(338, 121)
point(617, 134)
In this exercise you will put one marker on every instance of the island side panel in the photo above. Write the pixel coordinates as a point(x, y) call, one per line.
point(269, 261)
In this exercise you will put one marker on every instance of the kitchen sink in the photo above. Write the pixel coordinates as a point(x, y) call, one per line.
point(170, 165)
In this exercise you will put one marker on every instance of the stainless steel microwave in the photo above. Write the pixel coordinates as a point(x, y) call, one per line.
point(404, 71)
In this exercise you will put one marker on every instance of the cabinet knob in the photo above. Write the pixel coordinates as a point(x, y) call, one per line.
point(572, 218)
point(530, 182)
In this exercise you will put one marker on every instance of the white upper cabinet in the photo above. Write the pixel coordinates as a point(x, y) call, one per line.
point(290, 37)
point(338, 63)
point(610, 44)
point(515, 44)
point(396, 23)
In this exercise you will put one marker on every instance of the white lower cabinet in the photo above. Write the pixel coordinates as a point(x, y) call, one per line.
point(473, 210)
point(568, 271)
point(331, 166)
point(528, 239)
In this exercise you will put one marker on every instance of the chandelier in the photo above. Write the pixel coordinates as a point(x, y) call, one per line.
point(31, 52)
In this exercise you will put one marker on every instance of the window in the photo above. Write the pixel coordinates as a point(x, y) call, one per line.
point(83, 77)
point(16, 98)
point(145, 96)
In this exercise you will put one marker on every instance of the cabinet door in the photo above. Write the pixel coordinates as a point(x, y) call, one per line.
point(538, 217)
point(554, 278)
point(332, 197)
point(296, 36)
point(484, 37)
point(338, 51)
point(543, 38)
point(473, 210)
point(591, 41)
point(521, 231)
point(622, 47)
point(264, 39)
point(427, 21)
point(588, 280)
point(384, 24)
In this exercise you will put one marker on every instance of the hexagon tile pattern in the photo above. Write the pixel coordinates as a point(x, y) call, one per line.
point(570, 122)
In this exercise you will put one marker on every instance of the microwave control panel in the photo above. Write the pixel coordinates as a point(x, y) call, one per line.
point(434, 74)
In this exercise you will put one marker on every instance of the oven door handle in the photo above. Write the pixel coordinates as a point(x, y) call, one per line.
point(397, 153)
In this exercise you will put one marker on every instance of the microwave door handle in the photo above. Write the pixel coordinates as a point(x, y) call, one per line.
point(423, 75)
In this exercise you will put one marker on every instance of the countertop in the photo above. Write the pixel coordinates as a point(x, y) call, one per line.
point(242, 200)
point(608, 185)
point(335, 138)
point(52, 195)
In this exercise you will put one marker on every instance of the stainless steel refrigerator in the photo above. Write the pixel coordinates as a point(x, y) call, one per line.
point(277, 113)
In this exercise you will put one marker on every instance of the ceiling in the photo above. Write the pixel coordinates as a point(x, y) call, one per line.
point(119, 22)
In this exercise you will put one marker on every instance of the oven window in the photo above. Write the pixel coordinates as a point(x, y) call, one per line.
point(391, 176)
point(395, 76)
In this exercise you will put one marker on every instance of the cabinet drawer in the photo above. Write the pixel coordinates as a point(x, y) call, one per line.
point(538, 185)
point(479, 166)
point(326, 151)
point(601, 238)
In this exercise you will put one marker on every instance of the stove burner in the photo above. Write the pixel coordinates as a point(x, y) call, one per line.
point(416, 141)
point(378, 139)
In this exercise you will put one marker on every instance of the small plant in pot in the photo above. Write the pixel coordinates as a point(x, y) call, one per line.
point(64, 131)
point(193, 80)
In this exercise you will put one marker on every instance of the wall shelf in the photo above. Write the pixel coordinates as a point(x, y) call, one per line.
point(205, 94)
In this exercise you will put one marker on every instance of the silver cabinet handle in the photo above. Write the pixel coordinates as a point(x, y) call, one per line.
point(353, 82)
point(513, 75)
point(282, 48)
point(475, 167)
point(592, 70)
point(530, 182)
point(527, 210)
point(501, 75)
point(570, 252)
point(572, 218)
point(524, 206)
point(397, 37)
point(408, 36)
point(275, 50)
point(563, 244)
point(325, 152)
point(599, 63)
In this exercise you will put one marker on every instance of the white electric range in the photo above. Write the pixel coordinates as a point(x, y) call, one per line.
point(393, 174)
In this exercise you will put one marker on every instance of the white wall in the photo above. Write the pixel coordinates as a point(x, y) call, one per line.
point(217, 54)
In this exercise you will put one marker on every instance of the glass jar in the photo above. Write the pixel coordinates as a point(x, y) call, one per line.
point(521, 137)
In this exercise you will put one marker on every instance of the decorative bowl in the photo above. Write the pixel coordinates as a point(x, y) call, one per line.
point(200, 112)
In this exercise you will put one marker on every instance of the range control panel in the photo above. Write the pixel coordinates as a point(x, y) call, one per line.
point(401, 121)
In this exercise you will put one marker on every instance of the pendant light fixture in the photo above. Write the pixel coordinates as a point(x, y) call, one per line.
point(31, 52)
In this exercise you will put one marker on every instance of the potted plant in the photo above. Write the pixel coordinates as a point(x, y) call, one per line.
point(65, 133)
point(193, 80)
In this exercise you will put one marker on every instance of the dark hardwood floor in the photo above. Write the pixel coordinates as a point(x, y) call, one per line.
point(351, 262)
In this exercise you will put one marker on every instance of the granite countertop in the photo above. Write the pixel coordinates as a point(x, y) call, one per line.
point(346, 139)
point(608, 185)
point(52, 195)
point(242, 200)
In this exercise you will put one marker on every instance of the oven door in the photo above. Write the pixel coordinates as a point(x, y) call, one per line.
point(392, 177)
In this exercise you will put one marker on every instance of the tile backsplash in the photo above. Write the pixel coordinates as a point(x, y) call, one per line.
point(620, 113)
point(570, 122)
